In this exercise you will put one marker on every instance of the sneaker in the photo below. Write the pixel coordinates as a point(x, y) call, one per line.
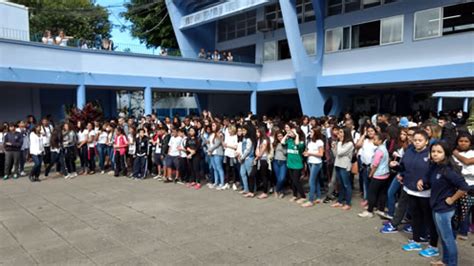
point(234, 187)
point(67, 176)
point(384, 215)
point(211, 186)
point(429, 252)
point(388, 229)
point(22, 173)
point(366, 214)
point(157, 177)
point(197, 186)
point(327, 200)
point(226, 186)
point(408, 229)
point(74, 174)
point(424, 240)
point(5, 177)
point(220, 187)
point(411, 246)
point(364, 203)
point(102, 172)
point(15, 176)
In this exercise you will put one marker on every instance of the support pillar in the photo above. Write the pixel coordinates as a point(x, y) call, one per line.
point(81, 96)
point(253, 102)
point(465, 106)
point(440, 104)
point(148, 98)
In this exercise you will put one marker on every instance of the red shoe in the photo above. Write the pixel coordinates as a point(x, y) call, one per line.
point(197, 186)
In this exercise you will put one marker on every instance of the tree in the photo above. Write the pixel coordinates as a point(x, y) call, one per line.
point(151, 23)
point(78, 18)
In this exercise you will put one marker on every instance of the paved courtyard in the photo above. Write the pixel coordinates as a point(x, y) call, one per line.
point(105, 220)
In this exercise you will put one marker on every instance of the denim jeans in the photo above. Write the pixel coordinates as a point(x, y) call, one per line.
point(445, 231)
point(245, 170)
point(279, 167)
point(391, 194)
point(102, 150)
point(364, 175)
point(345, 184)
point(314, 184)
point(36, 170)
point(217, 164)
point(110, 153)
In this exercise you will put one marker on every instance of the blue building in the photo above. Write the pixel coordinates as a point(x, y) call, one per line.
point(311, 56)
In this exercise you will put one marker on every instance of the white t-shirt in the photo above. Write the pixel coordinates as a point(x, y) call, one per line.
point(265, 153)
point(182, 153)
point(46, 135)
point(82, 135)
point(367, 151)
point(314, 147)
point(102, 137)
point(91, 135)
point(158, 146)
point(467, 170)
point(62, 42)
point(173, 146)
point(230, 141)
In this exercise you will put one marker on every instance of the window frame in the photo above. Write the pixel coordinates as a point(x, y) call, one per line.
point(275, 54)
point(402, 33)
point(440, 25)
point(315, 42)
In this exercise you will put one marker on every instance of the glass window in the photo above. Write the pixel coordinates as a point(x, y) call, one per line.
point(283, 50)
point(392, 30)
point(365, 35)
point(427, 23)
point(351, 5)
point(237, 26)
point(269, 51)
point(309, 42)
point(334, 7)
point(333, 40)
point(370, 3)
point(389, 1)
point(458, 18)
point(346, 40)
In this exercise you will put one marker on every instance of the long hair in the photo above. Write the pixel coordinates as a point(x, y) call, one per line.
point(464, 134)
point(264, 137)
point(448, 156)
point(347, 135)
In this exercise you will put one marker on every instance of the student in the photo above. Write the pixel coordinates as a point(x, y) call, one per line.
point(3, 130)
point(314, 153)
point(294, 141)
point(24, 130)
point(261, 163)
point(132, 149)
point(193, 145)
point(13, 141)
point(47, 37)
point(46, 130)
point(102, 146)
point(415, 165)
point(464, 157)
point(120, 151)
point(69, 143)
point(157, 157)
point(182, 158)
point(247, 157)
point(216, 152)
point(90, 155)
point(447, 186)
point(366, 152)
point(62, 39)
point(57, 152)
point(171, 159)
point(230, 147)
point(379, 174)
point(279, 163)
point(36, 151)
point(343, 150)
point(141, 154)
point(82, 140)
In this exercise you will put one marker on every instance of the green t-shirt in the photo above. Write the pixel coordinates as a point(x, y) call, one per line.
point(294, 159)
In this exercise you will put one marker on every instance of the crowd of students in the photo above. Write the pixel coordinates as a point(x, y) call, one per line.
point(419, 174)
point(216, 55)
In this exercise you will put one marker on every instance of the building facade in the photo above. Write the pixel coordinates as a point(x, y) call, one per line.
point(314, 56)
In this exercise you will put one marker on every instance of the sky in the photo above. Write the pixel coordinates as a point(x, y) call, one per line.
point(124, 39)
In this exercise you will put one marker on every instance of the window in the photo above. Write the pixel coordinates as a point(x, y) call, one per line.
point(334, 7)
point(392, 30)
point(309, 43)
point(351, 5)
point(273, 13)
point(240, 25)
point(365, 35)
point(370, 3)
point(458, 18)
point(304, 11)
point(427, 23)
point(283, 50)
point(333, 40)
point(269, 51)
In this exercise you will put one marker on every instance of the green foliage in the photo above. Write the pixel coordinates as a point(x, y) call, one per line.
point(78, 18)
point(151, 23)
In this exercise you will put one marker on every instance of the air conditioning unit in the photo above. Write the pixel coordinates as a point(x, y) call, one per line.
point(265, 25)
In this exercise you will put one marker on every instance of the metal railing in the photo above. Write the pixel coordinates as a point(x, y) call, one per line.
point(96, 44)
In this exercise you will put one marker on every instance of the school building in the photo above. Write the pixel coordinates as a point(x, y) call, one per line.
point(312, 56)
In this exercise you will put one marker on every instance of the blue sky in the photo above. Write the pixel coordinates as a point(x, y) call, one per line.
point(121, 39)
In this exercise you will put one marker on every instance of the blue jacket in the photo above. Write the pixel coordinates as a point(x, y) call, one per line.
point(444, 182)
point(14, 140)
point(415, 166)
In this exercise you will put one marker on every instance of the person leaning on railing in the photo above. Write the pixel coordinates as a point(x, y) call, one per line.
point(47, 37)
point(62, 39)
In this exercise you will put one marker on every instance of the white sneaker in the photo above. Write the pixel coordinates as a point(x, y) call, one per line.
point(211, 186)
point(22, 173)
point(234, 187)
point(67, 176)
point(157, 177)
point(74, 174)
point(220, 187)
point(366, 214)
point(226, 186)
point(102, 172)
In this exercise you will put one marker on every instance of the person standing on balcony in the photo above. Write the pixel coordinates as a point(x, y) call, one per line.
point(202, 54)
point(62, 39)
point(47, 37)
point(216, 56)
point(230, 57)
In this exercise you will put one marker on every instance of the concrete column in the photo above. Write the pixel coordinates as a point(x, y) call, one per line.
point(465, 106)
point(81, 96)
point(440, 104)
point(148, 98)
point(253, 102)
